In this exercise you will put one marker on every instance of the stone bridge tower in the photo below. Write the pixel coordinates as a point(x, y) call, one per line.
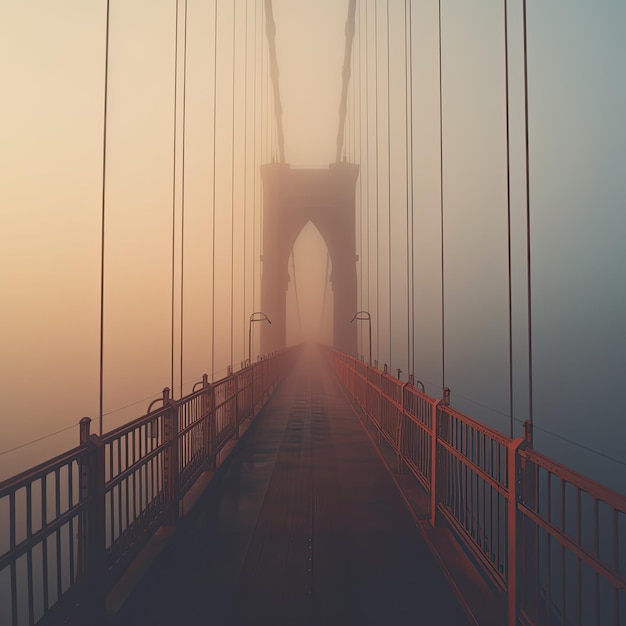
point(292, 198)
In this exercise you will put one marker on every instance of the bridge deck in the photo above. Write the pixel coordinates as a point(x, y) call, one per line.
point(302, 526)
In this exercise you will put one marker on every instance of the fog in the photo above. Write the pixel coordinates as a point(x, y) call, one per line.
point(183, 222)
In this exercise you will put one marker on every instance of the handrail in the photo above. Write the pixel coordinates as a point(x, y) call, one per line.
point(70, 526)
point(536, 529)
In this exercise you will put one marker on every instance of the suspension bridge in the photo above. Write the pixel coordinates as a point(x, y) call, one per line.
point(317, 483)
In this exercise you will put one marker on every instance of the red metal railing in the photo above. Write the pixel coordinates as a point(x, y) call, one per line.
point(70, 526)
point(553, 541)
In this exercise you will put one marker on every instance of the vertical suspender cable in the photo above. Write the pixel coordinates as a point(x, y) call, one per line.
point(232, 203)
point(103, 212)
point(528, 232)
point(389, 280)
point(376, 131)
point(213, 208)
point(182, 207)
point(360, 133)
point(245, 181)
point(255, 165)
point(443, 293)
point(367, 158)
point(408, 61)
point(412, 196)
point(173, 281)
point(389, 254)
point(508, 211)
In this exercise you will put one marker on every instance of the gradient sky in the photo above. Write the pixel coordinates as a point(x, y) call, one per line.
point(50, 198)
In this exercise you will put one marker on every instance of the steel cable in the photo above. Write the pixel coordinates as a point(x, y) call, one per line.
point(103, 213)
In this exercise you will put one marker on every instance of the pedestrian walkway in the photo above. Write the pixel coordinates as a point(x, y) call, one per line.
point(303, 525)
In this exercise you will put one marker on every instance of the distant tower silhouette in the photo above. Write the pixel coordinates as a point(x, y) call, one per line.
point(292, 198)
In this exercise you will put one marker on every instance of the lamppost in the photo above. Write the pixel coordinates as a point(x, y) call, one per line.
point(260, 317)
point(364, 316)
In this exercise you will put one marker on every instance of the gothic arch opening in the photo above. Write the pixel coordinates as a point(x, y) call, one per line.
point(310, 298)
point(291, 199)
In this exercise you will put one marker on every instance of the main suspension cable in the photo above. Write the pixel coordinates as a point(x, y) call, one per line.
point(270, 29)
point(349, 30)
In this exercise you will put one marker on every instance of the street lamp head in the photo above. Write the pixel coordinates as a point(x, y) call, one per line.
point(262, 317)
point(361, 316)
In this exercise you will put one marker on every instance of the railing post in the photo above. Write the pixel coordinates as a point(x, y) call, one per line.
point(236, 399)
point(514, 494)
point(211, 430)
point(171, 473)
point(434, 478)
point(92, 546)
point(400, 439)
point(207, 416)
point(527, 531)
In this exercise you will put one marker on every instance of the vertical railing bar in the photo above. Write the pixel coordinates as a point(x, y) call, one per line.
point(57, 510)
point(126, 481)
point(70, 483)
point(616, 567)
point(548, 578)
point(59, 569)
point(434, 479)
point(596, 547)
point(499, 507)
point(548, 546)
point(513, 534)
point(492, 552)
point(143, 439)
point(124, 484)
point(465, 473)
point(111, 462)
point(44, 543)
point(12, 544)
point(578, 561)
point(112, 515)
point(536, 541)
point(457, 435)
point(563, 552)
point(119, 489)
point(111, 468)
point(133, 461)
point(29, 554)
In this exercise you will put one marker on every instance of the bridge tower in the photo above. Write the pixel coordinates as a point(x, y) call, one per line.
point(292, 198)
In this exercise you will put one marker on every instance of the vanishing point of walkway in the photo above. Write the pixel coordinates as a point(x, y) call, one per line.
point(303, 525)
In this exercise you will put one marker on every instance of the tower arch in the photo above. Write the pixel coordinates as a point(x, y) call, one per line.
point(292, 198)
